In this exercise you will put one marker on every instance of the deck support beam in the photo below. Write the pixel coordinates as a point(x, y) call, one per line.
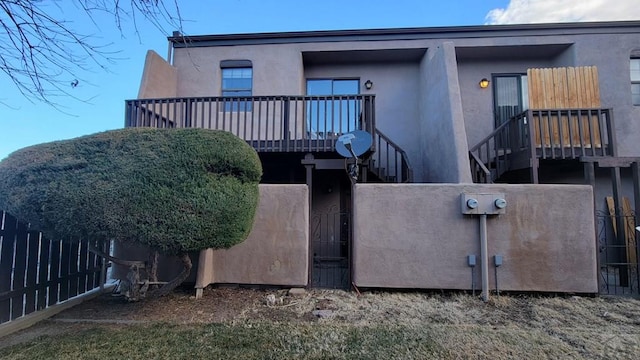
point(309, 163)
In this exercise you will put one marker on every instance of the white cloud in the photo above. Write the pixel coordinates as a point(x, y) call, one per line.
point(550, 11)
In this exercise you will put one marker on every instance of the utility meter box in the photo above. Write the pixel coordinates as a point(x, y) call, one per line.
point(479, 204)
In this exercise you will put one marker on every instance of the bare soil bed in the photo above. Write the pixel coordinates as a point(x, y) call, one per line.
point(505, 327)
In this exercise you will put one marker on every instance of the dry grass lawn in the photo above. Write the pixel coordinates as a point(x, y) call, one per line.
point(267, 324)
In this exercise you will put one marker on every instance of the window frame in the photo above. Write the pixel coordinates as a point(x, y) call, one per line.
point(327, 119)
point(229, 92)
point(634, 82)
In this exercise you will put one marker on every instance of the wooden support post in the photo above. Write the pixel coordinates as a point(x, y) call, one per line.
point(590, 179)
point(308, 164)
point(364, 169)
point(535, 164)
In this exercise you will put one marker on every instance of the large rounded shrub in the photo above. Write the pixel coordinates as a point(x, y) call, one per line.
point(175, 190)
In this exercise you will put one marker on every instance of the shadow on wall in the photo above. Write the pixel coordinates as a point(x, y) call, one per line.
point(415, 236)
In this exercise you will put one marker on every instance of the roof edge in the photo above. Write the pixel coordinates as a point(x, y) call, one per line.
point(403, 31)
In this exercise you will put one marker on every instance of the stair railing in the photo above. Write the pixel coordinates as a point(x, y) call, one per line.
point(389, 163)
point(479, 171)
point(544, 134)
point(490, 157)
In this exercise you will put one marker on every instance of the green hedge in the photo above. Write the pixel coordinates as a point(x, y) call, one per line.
point(175, 190)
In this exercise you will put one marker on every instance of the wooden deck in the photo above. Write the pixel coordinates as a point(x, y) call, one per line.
point(560, 134)
point(268, 123)
point(565, 121)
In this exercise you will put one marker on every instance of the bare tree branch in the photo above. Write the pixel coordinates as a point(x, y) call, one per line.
point(45, 56)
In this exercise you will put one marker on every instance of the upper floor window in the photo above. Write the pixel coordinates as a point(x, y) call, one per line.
point(635, 81)
point(237, 82)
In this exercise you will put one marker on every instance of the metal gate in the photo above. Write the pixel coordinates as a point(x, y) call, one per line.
point(331, 247)
point(618, 253)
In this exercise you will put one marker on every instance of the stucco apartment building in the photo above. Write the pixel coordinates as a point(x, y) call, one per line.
point(514, 112)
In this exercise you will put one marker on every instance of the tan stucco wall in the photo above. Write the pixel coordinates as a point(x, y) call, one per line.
point(444, 147)
point(277, 69)
point(276, 251)
point(159, 78)
point(421, 239)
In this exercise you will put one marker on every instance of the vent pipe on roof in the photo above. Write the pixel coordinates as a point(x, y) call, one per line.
point(170, 50)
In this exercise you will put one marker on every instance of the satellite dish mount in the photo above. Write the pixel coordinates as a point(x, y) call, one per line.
point(352, 145)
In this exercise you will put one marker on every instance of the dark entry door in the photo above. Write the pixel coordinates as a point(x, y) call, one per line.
point(331, 230)
point(510, 96)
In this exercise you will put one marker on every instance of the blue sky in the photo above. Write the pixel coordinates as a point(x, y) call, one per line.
point(23, 123)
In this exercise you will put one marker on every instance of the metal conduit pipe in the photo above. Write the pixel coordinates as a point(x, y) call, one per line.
point(484, 258)
point(483, 205)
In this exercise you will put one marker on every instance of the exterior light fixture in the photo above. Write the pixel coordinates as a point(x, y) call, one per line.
point(368, 84)
point(484, 83)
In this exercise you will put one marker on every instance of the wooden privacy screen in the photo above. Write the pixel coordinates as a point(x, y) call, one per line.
point(629, 228)
point(564, 89)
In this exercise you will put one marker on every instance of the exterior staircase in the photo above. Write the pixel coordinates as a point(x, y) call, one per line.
point(388, 163)
point(544, 134)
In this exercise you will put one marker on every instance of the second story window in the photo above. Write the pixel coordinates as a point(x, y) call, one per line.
point(237, 83)
point(635, 81)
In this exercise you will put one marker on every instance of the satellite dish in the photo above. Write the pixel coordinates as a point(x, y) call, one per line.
point(354, 143)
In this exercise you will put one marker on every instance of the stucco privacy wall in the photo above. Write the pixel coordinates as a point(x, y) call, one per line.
point(159, 78)
point(422, 239)
point(444, 147)
point(276, 251)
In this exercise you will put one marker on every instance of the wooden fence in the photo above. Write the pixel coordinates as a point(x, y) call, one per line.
point(36, 272)
point(565, 88)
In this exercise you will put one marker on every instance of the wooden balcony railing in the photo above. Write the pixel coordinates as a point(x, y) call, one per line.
point(390, 163)
point(543, 134)
point(268, 123)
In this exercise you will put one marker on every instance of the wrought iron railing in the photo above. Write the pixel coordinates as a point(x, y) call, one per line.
point(618, 252)
point(543, 134)
point(268, 123)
